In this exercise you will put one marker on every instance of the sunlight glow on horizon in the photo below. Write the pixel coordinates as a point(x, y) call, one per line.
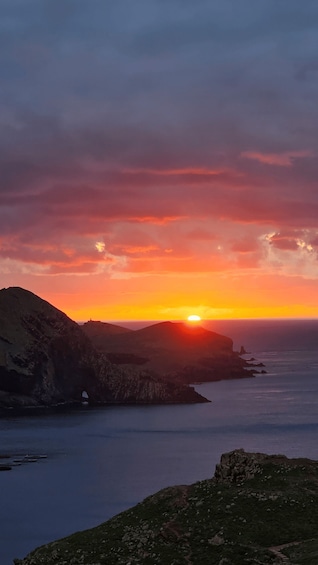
point(174, 298)
point(113, 314)
point(194, 318)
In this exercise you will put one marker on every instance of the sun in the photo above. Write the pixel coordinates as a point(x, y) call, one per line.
point(194, 318)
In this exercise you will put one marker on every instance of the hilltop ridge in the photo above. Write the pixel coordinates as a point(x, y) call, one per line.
point(178, 351)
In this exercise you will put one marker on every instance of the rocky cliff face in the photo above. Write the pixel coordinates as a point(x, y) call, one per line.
point(43, 354)
point(46, 359)
point(258, 509)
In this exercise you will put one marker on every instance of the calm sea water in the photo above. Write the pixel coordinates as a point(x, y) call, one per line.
point(100, 462)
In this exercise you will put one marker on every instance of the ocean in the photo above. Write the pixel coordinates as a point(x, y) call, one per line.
point(100, 462)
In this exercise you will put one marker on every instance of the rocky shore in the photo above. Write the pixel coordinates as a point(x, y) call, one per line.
point(257, 509)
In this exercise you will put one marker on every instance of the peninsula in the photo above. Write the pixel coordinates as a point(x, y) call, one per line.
point(48, 360)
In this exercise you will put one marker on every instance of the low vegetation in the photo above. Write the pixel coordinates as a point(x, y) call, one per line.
point(257, 509)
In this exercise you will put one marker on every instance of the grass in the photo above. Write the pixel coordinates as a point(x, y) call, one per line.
point(270, 518)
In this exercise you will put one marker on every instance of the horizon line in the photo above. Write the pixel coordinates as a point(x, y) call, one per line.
point(137, 321)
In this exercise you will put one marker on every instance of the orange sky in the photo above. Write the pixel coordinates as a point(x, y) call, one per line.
point(202, 244)
point(175, 297)
point(157, 163)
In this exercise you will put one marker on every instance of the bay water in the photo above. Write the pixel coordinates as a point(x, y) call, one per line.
point(100, 462)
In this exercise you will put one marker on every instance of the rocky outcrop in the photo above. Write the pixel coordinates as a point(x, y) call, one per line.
point(46, 359)
point(258, 509)
point(238, 466)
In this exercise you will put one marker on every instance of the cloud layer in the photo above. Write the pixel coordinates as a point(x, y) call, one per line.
point(158, 139)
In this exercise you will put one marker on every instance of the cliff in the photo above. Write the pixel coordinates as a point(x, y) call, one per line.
point(179, 352)
point(257, 509)
point(46, 359)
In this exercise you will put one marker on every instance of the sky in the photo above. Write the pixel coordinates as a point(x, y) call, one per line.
point(158, 158)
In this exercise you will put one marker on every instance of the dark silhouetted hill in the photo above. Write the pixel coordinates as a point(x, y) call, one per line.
point(46, 359)
point(178, 351)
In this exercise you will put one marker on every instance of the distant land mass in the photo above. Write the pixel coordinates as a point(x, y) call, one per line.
point(180, 352)
point(257, 509)
point(47, 360)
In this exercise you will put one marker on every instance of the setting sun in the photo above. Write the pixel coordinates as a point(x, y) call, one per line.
point(194, 318)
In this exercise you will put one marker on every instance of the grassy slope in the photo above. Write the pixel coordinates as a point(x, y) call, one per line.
point(269, 519)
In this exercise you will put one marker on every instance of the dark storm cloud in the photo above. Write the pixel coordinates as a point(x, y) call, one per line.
point(151, 62)
point(164, 109)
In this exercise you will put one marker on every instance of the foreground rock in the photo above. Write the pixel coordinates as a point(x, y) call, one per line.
point(258, 509)
point(179, 352)
point(47, 360)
